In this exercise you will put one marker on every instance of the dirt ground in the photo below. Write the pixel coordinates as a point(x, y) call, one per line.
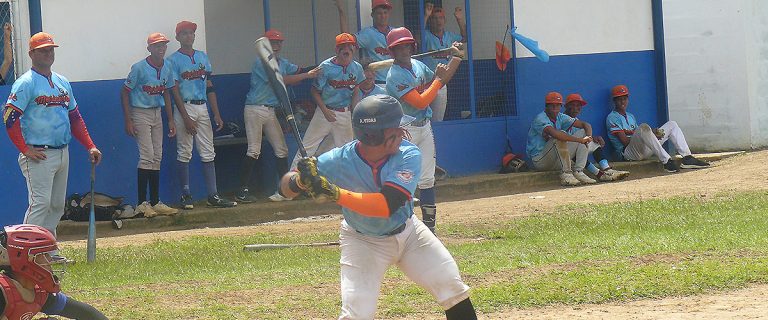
point(741, 173)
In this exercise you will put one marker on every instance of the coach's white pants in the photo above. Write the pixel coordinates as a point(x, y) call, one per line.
point(258, 119)
point(319, 127)
point(416, 251)
point(439, 104)
point(203, 139)
point(644, 144)
point(46, 187)
point(423, 138)
point(551, 159)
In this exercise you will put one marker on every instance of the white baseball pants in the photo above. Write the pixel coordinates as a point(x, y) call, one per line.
point(258, 119)
point(46, 187)
point(203, 139)
point(439, 104)
point(644, 144)
point(319, 127)
point(423, 138)
point(551, 159)
point(149, 136)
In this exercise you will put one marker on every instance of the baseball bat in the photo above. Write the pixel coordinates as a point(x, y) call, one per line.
point(383, 64)
point(92, 220)
point(269, 62)
point(271, 246)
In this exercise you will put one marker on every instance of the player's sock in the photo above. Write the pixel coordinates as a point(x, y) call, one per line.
point(461, 311)
point(428, 208)
point(604, 164)
point(591, 168)
point(184, 177)
point(246, 171)
point(154, 186)
point(209, 171)
point(282, 167)
point(143, 178)
point(602, 161)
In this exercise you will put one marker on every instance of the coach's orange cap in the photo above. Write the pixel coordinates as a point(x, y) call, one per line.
point(554, 97)
point(157, 37)
point(381, 3)
point(41, 40)
point(273, 34)
point(619, 91)
point(186, 25)
point(345, 38)
point(575, 97)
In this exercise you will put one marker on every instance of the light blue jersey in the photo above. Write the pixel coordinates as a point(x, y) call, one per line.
point(45, 104)
point(260, 92)
point(345, 167)
point(337, 82)
point(434, 42)
point(374, 90)
point(617, 122)
point(192, 73)
point(147, 83)
point(537, 139)
point(373, 47)
point(402, 80)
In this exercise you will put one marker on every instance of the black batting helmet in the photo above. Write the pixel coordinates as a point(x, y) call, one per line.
point(373, 115)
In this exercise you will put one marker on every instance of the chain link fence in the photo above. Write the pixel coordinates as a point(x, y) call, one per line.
point(7, 66)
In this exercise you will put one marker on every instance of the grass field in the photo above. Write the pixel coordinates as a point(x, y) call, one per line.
point(583, 254)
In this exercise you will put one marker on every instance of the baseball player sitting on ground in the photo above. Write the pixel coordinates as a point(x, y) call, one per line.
point(260, 117)
point(373, 179)
point(28, 282)
point(415, 85)
point(573, 105)
point(551, 148)
point(145, 93)
point(192, 94)
point(633, 142)
point(371, 40)
point(438, 38)
point(335, 94)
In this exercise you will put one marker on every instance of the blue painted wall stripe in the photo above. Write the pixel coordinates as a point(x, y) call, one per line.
point(661, 60)
point(35, 17)
point(267, 21)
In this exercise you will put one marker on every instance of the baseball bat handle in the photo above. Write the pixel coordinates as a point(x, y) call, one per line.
point(383, 64)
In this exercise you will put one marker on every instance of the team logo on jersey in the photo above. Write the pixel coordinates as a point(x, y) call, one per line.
point(613, 125)
point(401, 87)
point(405, 176)
point(350, 83)
point(382, 51)
point(62, 100)
point(194, 74)
point(154, 90)
point(13, 97)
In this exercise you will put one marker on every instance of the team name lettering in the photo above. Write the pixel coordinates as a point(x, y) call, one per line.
point(344, 84)
point(194, 74)
point(49, 101)
point(153, 90)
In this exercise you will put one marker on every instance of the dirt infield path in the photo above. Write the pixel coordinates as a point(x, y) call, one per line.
point(741, 173)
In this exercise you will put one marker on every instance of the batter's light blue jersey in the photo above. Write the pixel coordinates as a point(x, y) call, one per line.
point(617, 122)
point(373, 47)
point(45, 104)
point(260, 92)
point(435, 42)
point(374, 90)
point(192, 72)
point(536, 135)
point(337, 83)
point(147, 84)
point(345, 167)
point(402, 80)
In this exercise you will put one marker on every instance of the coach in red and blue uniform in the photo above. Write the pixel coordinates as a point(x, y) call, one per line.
point(41, 117)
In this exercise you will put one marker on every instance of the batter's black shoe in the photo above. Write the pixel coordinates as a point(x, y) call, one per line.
point(244, 196)
point(186, 202)
point(219, 202)
point(689, 162)
point(670, 166)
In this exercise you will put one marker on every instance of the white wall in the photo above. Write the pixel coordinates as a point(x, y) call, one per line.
point(101, 39)
point(756, 25)
point(232, 26)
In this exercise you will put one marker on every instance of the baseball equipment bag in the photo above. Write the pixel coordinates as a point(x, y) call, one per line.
point(106, 207)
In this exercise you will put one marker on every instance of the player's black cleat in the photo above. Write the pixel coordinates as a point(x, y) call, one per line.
point(244, 196)
point(689, 162)
point(219, 202)
point(186, 202)
point(670, 166)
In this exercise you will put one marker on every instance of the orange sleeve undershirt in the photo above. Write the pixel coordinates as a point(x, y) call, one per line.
point(372, 205)
point(422, 101)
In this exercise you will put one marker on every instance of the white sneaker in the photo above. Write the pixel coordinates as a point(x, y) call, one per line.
point(277, 197)
point(617, 174)
point(568, 180)
point(162, 209)
point(583, 177)
point(146, 209)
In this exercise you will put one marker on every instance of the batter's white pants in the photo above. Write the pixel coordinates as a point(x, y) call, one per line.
point(319, 127)
point(550, 158)
point(439, 104)
point(149, 136)
point(258, 119)
point(203, 139)
point(46, 187)
point(423, 138)
point(644, 144)
point(416, 251)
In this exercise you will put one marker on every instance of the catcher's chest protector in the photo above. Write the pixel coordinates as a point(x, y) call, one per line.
point(20, 305)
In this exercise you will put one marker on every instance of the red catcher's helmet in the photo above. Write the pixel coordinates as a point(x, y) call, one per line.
point(27, 246)
point(398, 36)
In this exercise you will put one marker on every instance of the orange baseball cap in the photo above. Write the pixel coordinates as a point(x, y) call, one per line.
point(554, 97)
point(575, 97)
point(186, 25)
point(345, 38)
point(157, 37)
point(274, 35)
point(619, 91)
point(41, 40)
point(381, 3)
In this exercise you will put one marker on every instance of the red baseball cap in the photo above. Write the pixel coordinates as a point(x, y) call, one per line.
point(553, 97)
point(186, 25)
point(381, 3)
point(619, 91)
point(157, 37)
point(41, 40)
point(575, 97)
point(273, 34)
point(345, 38)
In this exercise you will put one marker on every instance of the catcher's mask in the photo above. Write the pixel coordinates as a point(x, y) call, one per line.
point(30, 252)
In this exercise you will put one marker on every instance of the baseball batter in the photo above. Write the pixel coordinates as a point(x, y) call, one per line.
point(437, 38)
point(260, 117)
point(373, 179)
point(41, 116)
point(372, 40)
point(192, 94)
point(637, 142)
point(415, 85)
point(335, 93)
